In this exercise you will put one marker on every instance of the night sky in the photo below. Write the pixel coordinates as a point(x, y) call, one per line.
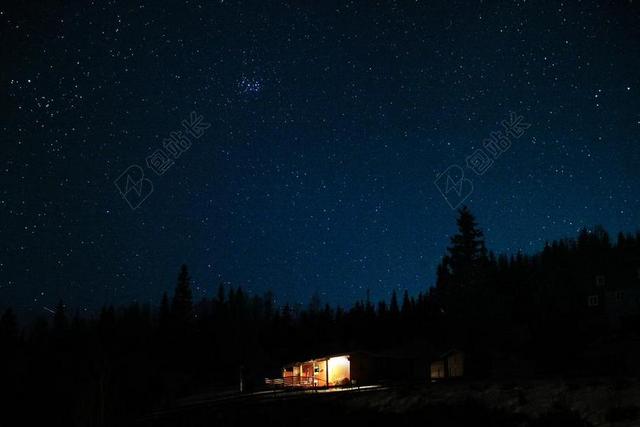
point(321, 127)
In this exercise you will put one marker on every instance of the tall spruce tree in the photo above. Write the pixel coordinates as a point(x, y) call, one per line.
point(461, 272)
point(394, 309)
point(182, 304)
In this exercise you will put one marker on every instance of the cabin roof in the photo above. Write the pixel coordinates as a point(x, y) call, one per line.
point(292, 364)
point(397, 354)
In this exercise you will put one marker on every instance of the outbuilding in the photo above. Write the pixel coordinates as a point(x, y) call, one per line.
point(448, 365)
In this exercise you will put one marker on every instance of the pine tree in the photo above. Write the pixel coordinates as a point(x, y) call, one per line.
point(164, 314)
point(268, 298)
point(406, 304)
point(221, 293)
point(467, 251)
point(393, 305)
point(382, 310)
point(461, 272)
point(60, 318)
point(182, 304)
point(8, 324)
point(315, 303)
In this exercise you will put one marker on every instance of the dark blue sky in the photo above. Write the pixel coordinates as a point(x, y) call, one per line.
point(330, 122)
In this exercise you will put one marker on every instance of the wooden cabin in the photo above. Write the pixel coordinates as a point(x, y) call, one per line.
point(328, 371)
point(348, 369)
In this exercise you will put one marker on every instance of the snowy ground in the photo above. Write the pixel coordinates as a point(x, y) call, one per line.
point(598, 401)
point(566, 403)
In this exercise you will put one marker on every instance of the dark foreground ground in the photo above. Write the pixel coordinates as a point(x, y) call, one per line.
point(593, 402)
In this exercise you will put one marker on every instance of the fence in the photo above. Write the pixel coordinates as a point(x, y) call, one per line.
point(296, 381)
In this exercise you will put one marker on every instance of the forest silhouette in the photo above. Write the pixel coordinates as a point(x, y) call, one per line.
point(513, 315)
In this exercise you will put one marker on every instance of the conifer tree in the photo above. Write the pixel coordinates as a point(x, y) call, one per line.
point(164, 314)
point(182, 304)
point(8, 324)
point(59, 317)
point(393, 305)
point(461, 272)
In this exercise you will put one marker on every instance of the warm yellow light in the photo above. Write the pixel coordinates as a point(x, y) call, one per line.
point(339, 370)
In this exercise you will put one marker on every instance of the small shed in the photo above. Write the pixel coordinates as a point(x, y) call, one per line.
point(448, 365)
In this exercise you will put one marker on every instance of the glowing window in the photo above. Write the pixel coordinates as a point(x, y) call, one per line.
point(339, 370)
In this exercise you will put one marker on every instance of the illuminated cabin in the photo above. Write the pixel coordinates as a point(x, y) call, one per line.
point(328, 371)
point(448, 365)
point(354, 368)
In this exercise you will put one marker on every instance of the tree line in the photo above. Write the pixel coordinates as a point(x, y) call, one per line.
point(119, 364)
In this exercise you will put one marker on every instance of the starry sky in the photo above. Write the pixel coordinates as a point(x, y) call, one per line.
point(322, 129)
